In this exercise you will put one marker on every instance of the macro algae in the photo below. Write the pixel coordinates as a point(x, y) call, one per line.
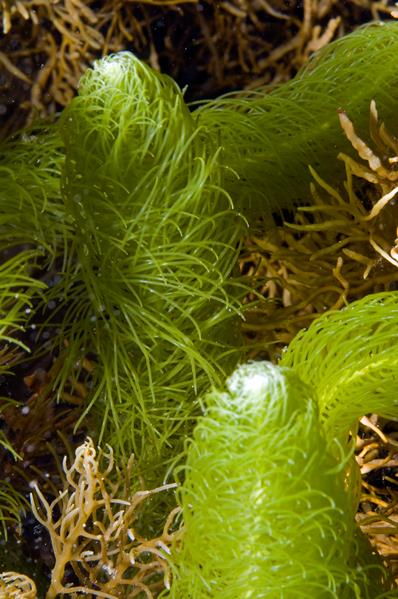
point(156, 240)
point(273, 516)
point(210, 46)
point(95, 531)
point(268, 140)
point(338, 248)
point(123, 277)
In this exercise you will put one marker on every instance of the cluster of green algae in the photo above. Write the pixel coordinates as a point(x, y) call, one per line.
point(274, 515)
point(125, 197)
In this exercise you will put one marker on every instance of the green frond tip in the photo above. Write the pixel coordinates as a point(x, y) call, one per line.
point(126, 117)
point(350, 358)
point(266, 512)
point(156, 241)
point(268, 139)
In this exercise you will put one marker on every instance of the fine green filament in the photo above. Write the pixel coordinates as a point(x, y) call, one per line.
point(17, 288)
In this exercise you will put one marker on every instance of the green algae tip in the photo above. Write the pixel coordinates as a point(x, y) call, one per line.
point(265, 505)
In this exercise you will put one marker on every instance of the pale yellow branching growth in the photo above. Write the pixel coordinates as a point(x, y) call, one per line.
point(92, 525)
point(382, 172)
point(16, 586)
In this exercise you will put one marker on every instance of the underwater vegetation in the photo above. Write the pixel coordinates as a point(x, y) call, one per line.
point(95, 531)
point(132, 236)
point(135, 209)
point(16, 289)
point(338, 248)
point(143, 186)
point(98, 548)
point(269, 140)
point(358, 343)
point(156, 240)
point(273, 515)
point(211, 46)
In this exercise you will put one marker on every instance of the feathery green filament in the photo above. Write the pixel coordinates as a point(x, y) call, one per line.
point(156, 240)
point(17, 288)
point(271, 485)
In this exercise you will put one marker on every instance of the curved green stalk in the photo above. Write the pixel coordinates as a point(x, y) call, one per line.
point(351, 358)
point(266, 508)
point(269, 139)
point(271, 485)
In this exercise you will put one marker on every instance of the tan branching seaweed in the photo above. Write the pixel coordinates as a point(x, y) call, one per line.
point(47, 46)
point(376, 450)
point(16, 586)
point(92, 526)
point(382, 172)
point(338, 249)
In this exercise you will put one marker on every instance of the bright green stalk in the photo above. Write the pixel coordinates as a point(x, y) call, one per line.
point(268, 140)
point(351, 358)
point(155, 242)
point(265, 507)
